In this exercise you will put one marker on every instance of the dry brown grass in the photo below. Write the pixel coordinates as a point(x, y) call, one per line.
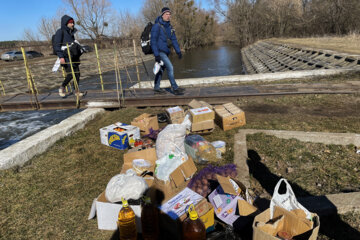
point(346, 44)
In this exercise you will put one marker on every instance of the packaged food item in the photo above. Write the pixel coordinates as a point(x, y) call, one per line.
point(141, 165)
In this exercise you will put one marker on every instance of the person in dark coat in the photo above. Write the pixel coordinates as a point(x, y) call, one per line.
point(162, 38)
point(63, 36)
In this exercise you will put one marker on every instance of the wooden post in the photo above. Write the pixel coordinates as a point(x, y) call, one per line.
point(136, 63)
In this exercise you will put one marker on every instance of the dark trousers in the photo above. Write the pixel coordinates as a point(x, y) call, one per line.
point(69, 75)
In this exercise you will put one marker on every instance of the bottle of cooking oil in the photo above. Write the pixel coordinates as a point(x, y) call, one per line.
point(193, 228)
point(126, 222)
point(149, 220)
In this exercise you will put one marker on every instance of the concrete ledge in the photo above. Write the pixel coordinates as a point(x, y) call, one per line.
point(267, 77)
point(23, 151)
point(323, 205)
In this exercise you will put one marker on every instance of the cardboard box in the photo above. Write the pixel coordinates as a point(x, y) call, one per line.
point(176, 114)
point(225, 199)
point(178, 205)
point(229, 116)
point(113, 136)
point(147, 154)
point(208, 218)
point(107, 213)
point(287, 221)
point(201, 114)
point(161, 191)
point(198, 104)
point(205, 125)
point(145, 122)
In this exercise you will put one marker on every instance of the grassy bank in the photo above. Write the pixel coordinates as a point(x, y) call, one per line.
point(50, 198)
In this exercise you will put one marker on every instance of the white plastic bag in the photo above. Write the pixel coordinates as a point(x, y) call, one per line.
point(172, 138)
point(287, 200)
point(141, 165)
point(127, 186)
point(168, 163)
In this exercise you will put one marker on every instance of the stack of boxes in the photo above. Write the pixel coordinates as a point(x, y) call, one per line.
point(202, 117)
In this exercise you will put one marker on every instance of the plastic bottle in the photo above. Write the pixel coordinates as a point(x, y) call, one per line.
point(126, 222)
point(193, 228)
point(149, 220)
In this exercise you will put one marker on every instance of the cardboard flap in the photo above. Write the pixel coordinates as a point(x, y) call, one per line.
point(177, 177)
point(272, 228)
point(147, 154)
point(228, 185)
point(293, 224)
point(245, 208)
point(183, 172)
point(92, 210)
point(188, 168)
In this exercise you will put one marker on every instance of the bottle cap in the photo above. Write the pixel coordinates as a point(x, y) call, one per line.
point(124, 202)
point(192, 213)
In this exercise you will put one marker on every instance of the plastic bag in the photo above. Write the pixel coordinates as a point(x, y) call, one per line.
point(141, 165)
point(127, 186)
point(168, 163)
point(172, 138)
point(287, 200)
point(200, 149)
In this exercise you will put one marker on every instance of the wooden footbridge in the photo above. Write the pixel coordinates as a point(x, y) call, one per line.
point(29, 85)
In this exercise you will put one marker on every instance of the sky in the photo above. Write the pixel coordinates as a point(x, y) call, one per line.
point(18, 15)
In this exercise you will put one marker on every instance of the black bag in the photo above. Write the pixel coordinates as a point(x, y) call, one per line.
point(76, 50)
point(145, 39)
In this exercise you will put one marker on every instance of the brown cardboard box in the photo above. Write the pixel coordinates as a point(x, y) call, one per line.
point(176, 114)
point(229, 116)
point(201, 114)
point(146, 121)
point(287, 221)
point(179, 178)
point(205, 125)
point(198, 104)
point(147, 154)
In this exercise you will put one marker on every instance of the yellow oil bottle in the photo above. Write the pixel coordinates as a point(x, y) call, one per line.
point(126, 222)
point(193, 228)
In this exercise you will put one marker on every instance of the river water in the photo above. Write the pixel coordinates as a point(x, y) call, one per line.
point(201, 62)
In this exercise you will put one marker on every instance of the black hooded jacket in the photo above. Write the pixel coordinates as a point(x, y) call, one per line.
point(62, 36)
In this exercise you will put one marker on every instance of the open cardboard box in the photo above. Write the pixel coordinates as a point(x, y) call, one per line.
point(107, 213)
point(145, 122)
point(289, 221)
point(229, 206)
point(162, 191)
point(147, 154)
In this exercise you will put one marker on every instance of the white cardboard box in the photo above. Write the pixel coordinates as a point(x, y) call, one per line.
point(120, 140)
point(107, 213)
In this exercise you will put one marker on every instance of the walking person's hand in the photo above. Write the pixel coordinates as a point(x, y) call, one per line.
point(179, 55)
point(157, 59)
point(62, 60)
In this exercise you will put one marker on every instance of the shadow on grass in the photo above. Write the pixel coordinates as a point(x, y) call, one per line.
point(331, 224)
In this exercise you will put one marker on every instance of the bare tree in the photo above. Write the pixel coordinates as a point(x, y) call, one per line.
point(30, 36)
point(126, 25)
point(152, 9)
point(91, 16)
point(48, 27)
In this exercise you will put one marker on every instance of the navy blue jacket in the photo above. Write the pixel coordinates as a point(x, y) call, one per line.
point(158, 37)
point(63, 35)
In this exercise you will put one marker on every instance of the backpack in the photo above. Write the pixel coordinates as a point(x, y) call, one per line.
point(145, 39)
point(146, 36)
point(53, 41)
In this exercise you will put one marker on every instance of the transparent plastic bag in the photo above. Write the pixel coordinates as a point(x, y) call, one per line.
point(127, 186)
point(141, 165)
point(168, 163)
point(172, 138)
point(200, 149)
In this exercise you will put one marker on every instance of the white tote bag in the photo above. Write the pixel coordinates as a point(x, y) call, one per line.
point(287, 200)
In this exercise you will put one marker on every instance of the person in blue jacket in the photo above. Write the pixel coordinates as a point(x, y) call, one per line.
point(162, 38)
point(63, 36)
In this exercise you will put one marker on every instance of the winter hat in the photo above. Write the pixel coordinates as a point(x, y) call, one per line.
point(164, 10)
point(70, 21)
